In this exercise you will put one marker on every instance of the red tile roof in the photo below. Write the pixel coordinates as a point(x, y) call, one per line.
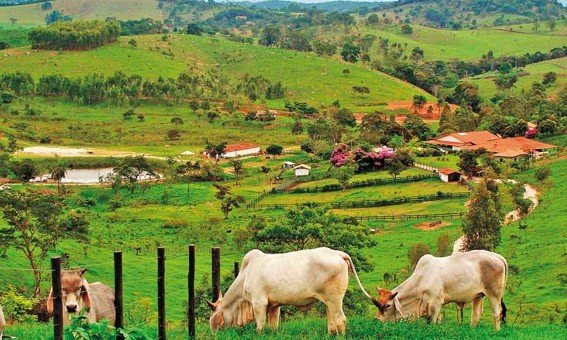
point(447, 171)
point(512, 147)
point(240, 146)
point(465, 138)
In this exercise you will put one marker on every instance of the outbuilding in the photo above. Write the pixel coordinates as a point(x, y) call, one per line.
point(241, 149)
point(449, 175)
point(302, 170)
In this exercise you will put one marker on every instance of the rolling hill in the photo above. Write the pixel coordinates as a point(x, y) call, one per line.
point(307, 77)
point(83, 9)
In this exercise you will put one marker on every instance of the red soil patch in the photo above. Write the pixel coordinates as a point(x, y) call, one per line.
point(408, 106)
point(427, 226)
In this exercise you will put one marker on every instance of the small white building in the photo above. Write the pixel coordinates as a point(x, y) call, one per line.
point(288, 165)
point(302, 170)
point(241, 149)
point(449, 175)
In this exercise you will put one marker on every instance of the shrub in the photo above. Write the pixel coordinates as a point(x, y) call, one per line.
point(542, 174)
point(175, 224)
point(416, 252)
point(16, 306)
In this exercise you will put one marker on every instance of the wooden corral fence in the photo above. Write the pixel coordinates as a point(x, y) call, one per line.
point(58, 328)
point(407, 217)
point(368, 203)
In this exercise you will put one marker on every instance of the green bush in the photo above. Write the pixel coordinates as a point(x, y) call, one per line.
point(16, 306)
point(80, 328)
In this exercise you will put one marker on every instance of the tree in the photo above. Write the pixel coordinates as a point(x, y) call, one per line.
point(13, 21)
point(549, 78)
point(350, 53)
point(467, 92)
point(25, 170)
point(274, 150)
point(407, 29)
point(229, 201)
point(344, 117)
point(215, 150)
point(373, 19)
point(416, 251)
point(419, 102)
point(205, 106)
point(305, 228)
point(297, 128)
point(141, 117)
point(551, 23)
point(58, 172)
point(344, 173)
point(194, 105)
point(133, 169)
point(468, 162)
point(238, 168)
point(443, 242)
point(33, 227)
point(212, 115)
point(176, 121)
point(46, 6)
point(270, 36)
point(173, 134)
point(483, 221)
point(194, 29)
point(395, 166)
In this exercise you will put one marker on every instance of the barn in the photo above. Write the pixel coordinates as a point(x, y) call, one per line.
point(240, 149)
point(302, 170)
point(449, 175)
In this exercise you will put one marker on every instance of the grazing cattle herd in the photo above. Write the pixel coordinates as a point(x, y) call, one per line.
point(301, 278)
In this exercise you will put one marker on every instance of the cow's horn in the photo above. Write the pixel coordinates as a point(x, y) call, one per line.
point(211, 305)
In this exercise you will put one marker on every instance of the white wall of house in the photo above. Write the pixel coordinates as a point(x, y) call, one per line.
point(444, 178)
point(301, 172)
point(240, 153)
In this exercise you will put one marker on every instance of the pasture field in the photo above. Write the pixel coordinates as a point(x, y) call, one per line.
point(357, 328)
point(148, 221)
point(533, 73)
point(105, 130)
point(309, 78)
point(84, 10)
point(443, 44)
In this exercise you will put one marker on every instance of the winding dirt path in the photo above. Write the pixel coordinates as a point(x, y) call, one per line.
point(529, 193)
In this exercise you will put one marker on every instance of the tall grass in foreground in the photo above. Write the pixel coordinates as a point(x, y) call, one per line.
point(358, 328)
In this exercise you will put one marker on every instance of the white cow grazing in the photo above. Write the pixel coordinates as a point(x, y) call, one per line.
point(436, 281)
point(77, 295)
point(2, 322)
point(300, 278)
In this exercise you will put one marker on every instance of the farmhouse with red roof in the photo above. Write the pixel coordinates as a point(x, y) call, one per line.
point(460, 140)
point(241, 149)
point(511, 148)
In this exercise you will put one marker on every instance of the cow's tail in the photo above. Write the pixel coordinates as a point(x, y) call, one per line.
point(351, 268)
point(504, 309)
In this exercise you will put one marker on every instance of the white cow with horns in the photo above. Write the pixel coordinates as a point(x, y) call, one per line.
point(436, 281)
point(300, 278)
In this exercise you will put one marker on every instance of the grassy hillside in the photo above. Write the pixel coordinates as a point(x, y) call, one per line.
point(307, 77)
point(531, 73)
point(441, 44)
point(83, 9)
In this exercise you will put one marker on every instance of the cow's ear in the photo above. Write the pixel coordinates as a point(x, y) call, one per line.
point(85, 296)
point(50, 302)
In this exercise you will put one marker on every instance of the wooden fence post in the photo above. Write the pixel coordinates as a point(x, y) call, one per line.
point(191, 293)
point(57, 302)
point(118, 300)
point(161, 293)
point(236, 269)
point(215, 253)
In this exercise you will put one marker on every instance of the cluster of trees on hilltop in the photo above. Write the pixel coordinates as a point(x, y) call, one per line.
point(120, 89)
point(74, 35)
point(141, 26)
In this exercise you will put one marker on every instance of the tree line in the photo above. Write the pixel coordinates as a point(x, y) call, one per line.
point(120, 89)
point(74, 35)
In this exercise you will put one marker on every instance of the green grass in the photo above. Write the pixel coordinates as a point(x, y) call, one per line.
point(442, 44)
point(362, 177)
point(357, 328)
point(434, 207)
point(307, 77)
point(367, 193)
point(534, 73)
point(83, 9)
point(445, 161)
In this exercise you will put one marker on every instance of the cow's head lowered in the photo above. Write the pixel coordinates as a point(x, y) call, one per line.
point(389, 308)
point(74, 293)
point(230, 311)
